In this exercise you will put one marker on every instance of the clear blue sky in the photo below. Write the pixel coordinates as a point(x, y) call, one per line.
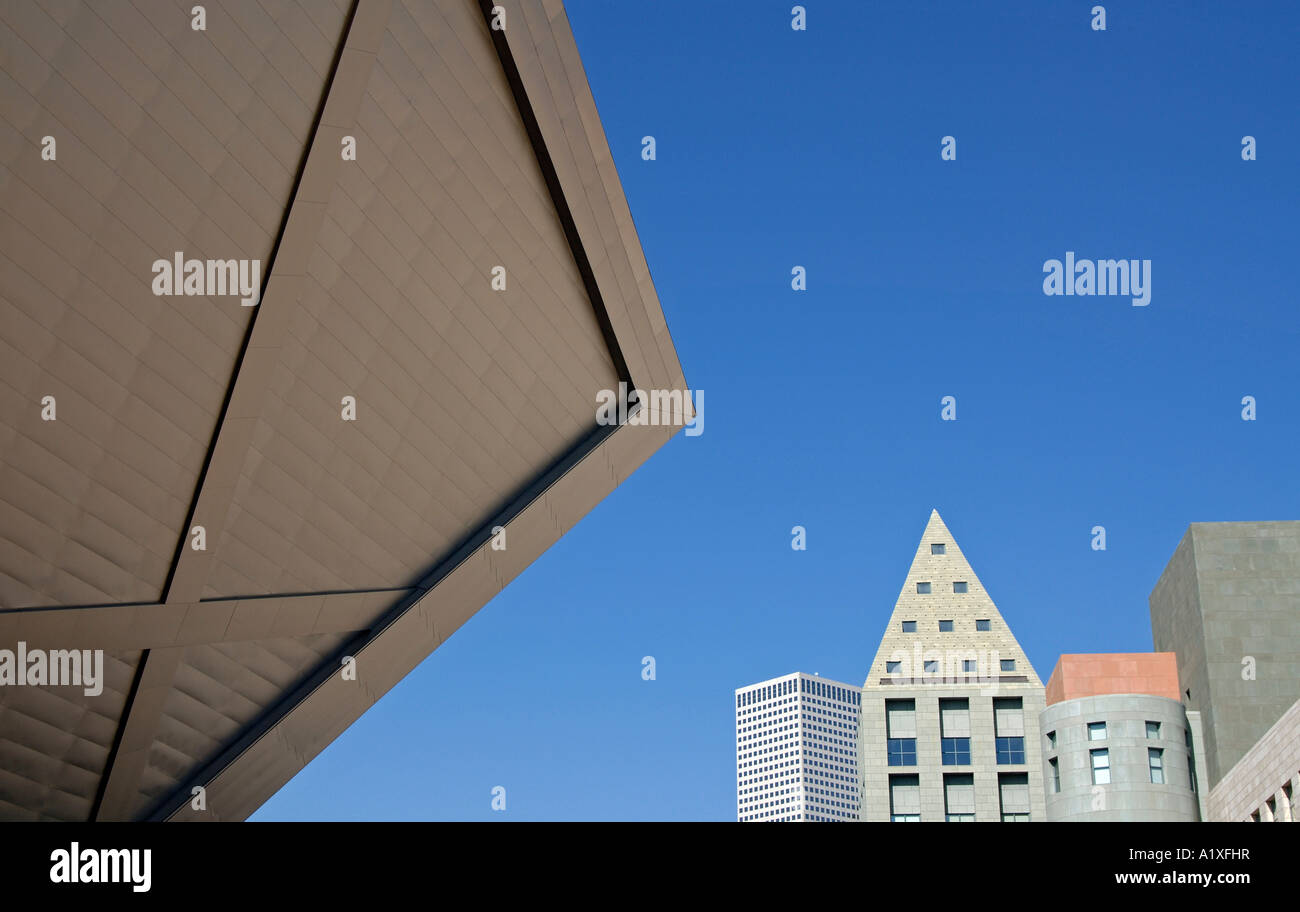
point(821, 149)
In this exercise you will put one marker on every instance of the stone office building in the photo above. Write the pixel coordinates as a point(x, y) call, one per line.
point(1228, 607)
point(954, 725)
point(948, 702)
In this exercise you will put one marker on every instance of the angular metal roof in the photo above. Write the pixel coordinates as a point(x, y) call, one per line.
point(325, 538)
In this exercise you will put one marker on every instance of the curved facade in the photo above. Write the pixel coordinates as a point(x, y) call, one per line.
point(1118, 757)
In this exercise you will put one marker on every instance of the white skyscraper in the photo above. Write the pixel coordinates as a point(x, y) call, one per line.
point(796, 750)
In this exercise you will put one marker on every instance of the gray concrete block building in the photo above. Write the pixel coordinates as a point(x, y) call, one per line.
point(948, 701)
point(1264, 786)
point(1228, 607)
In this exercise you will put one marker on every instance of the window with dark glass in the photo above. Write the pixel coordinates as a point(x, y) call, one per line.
point(1011, 749)
point(1156, 763)
point(1100, 766)
point(956, 751)
point(902, 751)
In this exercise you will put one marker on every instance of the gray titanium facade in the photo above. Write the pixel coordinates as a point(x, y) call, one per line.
point(1228, 606)
point(230, 500)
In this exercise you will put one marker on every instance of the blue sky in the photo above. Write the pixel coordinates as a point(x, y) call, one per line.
point(821, 148)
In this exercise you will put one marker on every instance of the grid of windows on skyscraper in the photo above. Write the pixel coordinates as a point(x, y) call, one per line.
point(796, 756)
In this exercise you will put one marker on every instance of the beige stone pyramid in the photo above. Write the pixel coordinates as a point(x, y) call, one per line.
point(931, 597)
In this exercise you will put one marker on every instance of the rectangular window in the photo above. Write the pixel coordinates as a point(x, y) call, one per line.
point(1013, 795)
point(969, 665)
point(902, 751)
point(937, 549)
point(959, 586)
point(1156, 763)
point(1008, 664)
point(954, 718)
point(932, 666)
point(909, 626)
point(1056, 774)
point(1008, 716)
point(904, 798)
point(983, 624)
point(945, 626)
point(900, 718)
point(1100, 766)
point(1010, 750)
point(893, 667)
point(956, 751)
point(959, 797)
point(1096, 731)
point(1153, 730)
point(923, 588)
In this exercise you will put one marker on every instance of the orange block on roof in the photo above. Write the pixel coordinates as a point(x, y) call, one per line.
point(1091, 675)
